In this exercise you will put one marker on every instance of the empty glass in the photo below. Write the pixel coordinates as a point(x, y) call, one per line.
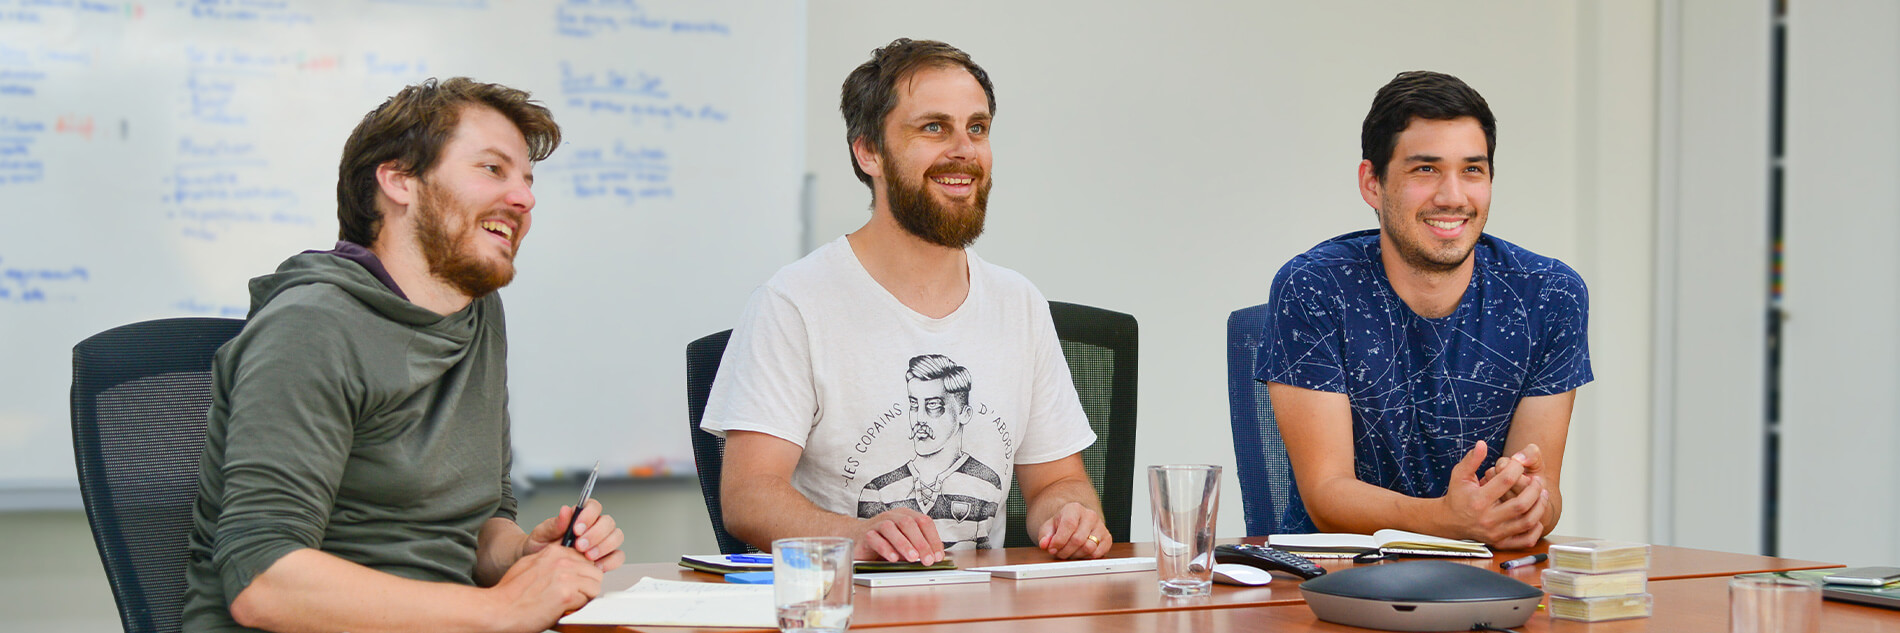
point(1185, 500)
point(1766, 603)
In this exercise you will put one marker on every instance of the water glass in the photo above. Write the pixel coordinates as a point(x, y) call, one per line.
point(811, 584)
point(1186, 500)
point(1765, 603)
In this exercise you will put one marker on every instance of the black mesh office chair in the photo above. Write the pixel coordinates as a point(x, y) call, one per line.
point(1266, 477)
point(702, 364)
point(140, 396)
point(1100, 346)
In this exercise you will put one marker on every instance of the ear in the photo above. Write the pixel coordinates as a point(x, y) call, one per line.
point(1369, 186)
point(397, 185)
point(866, 156)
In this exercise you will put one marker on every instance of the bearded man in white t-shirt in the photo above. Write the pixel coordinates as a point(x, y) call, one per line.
point(842, 410)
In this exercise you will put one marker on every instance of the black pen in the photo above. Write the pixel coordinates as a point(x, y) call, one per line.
point(587, 491)
point(1523, 562)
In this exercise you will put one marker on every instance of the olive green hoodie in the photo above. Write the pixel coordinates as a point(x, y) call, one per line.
point(346, 418)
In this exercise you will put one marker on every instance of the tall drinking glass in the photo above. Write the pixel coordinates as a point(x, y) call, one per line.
point(811, 584)
point(1185, 499)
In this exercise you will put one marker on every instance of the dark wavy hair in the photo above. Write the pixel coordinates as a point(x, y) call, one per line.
point(1426, 95)
point(411, 128)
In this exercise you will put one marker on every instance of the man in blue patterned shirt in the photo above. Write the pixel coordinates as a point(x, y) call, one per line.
point(1423, 373)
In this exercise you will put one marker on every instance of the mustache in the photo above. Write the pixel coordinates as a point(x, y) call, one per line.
point(922, 431)
point(970, 169)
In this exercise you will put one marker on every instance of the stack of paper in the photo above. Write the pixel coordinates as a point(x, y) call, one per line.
point(655, 602)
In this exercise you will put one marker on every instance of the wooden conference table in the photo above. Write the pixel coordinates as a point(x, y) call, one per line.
point(1130, 601)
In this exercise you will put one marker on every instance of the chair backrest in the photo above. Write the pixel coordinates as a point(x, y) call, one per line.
point(1266, 477)
point(702, 364)
point(1102, 349)
point(140, 397)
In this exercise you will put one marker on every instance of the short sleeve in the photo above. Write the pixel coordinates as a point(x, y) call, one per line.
point(765, 382)
point(1562, 360)
point(1058, 427)
point(1301, 344)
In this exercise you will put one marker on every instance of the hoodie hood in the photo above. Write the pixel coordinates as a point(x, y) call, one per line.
point(322, 267)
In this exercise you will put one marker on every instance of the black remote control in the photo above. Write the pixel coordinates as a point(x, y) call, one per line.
point(1268, 558)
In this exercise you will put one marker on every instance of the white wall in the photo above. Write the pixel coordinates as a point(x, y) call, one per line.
point(1842, 207)
point(1711, 325)
point(1164, 159)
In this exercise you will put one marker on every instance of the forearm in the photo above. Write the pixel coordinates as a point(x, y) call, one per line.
point(497, 548)
point(1345, 504)
point(309, 590)
point(1058, 494)
point(762, 508)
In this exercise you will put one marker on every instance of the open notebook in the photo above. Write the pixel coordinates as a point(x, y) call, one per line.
point(1388, 541)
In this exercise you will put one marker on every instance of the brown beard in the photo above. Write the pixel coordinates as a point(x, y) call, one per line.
point(922, 216)
point(447, 252)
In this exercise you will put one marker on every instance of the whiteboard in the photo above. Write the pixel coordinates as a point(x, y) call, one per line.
point(154, 156)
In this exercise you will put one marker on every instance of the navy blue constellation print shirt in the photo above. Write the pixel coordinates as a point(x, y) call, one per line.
point(1423, 391)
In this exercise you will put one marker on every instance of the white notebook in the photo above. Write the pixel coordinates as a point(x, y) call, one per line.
point(1070, 568)
point(1389, 541)
point(655, 602)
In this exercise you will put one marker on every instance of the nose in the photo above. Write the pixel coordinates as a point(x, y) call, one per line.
point(963, 146)
point(1450, 193)
point(521, 197)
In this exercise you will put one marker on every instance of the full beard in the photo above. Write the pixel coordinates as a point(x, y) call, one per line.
point(953, 225)
point(447, 250)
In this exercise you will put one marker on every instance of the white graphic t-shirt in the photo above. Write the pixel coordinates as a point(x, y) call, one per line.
point(896, 409)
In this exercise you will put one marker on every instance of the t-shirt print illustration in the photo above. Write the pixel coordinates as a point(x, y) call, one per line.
point(946, 473)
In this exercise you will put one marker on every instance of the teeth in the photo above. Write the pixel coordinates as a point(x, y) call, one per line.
point(955, 180)
point(1444, 224)
point(498, 227)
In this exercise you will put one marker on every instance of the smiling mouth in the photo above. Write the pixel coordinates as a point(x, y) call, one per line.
point(954, 181)
point(499, 228)
point(1446, 224)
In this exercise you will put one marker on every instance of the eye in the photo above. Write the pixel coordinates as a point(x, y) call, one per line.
point(978, 129)
point(492, 168)
point(1426, 169)
point(933, 127)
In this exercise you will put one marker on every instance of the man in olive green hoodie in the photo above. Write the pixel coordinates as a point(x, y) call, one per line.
point(356, 470)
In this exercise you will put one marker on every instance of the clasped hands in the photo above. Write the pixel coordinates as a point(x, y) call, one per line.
point(1505, 508)
point(903, 534)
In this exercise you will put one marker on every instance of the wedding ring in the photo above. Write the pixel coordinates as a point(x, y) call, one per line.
point(1094, 539)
